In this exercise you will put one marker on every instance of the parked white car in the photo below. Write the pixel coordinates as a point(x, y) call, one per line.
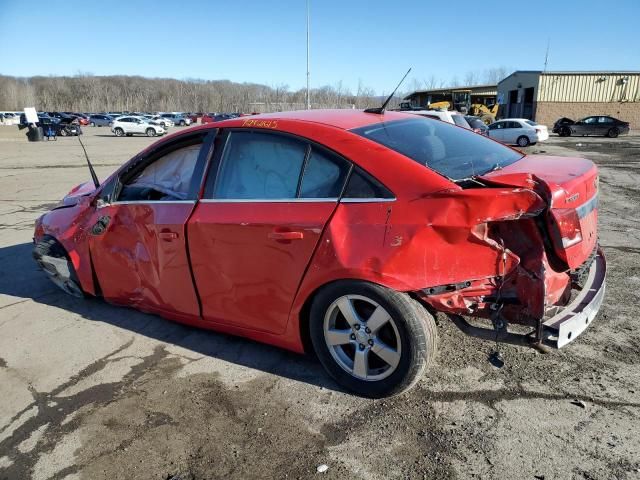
point(129, 125)
point(518, 131)
point(444, 115)
point(9, 118)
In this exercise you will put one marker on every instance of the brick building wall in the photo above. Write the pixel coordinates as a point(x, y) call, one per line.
point(546, 113)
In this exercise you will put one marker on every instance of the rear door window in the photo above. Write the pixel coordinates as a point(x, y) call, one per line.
point(260, 166)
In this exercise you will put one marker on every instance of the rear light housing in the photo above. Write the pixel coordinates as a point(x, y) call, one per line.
point(567, 224)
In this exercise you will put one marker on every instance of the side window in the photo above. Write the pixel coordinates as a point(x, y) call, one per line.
point(604, 120)
point(590, 120)
point(323, 176)
point(167, 178)
point(260, 166)
point(496, 126)
point(363, 185)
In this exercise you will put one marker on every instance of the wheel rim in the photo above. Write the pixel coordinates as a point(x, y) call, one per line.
point(150, 132)
point(119, 132)
point(362, 338)
point(523, 142)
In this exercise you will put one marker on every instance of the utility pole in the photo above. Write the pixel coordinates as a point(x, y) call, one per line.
point(308, 75)
point(546, 55)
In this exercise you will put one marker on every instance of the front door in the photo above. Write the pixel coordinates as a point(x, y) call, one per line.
point(138, 244)
point(253, 236)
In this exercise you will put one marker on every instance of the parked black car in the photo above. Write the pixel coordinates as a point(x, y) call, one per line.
point(63, 117)
point(47, 122)
point(477, 125)
point(594, 125)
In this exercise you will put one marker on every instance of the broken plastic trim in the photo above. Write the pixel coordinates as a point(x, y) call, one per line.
point(563, 327)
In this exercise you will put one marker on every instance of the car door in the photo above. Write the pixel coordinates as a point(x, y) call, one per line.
point(137, 241)
point(604, 124)
point(496, 131)
point(254, 232)
point(586, 126)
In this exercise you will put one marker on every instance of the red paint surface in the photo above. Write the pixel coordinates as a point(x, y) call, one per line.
point(256, 265)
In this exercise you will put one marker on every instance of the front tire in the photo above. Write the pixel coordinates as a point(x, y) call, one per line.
point(93, 124)
point(119, 132)
point(151, 132)
point(523, 141)
point(182, 123)
point(565, 132)
point(54, 261)
point(372, 340)
point(613, 132)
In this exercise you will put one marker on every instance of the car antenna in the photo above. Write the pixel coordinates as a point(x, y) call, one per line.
point(380, 110)
point(94, 177)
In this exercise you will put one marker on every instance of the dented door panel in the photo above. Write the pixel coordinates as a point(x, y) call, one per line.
point(141, 258)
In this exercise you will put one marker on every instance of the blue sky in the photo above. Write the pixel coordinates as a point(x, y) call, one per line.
point(264, 41)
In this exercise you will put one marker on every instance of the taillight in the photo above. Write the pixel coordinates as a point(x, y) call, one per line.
point(568, 224)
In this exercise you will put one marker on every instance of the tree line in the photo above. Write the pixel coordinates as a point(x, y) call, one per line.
point(91, 93)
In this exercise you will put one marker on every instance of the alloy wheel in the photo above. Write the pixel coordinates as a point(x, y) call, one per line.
point(362, 337)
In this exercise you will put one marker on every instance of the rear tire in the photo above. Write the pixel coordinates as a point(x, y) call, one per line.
point(523, 141)
point(54, 261)
point(387, 359)
point(93, 124)
point(182, 123)
point(613, 132)
point(118, 131)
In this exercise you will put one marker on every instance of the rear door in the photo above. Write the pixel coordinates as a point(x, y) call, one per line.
point(138, 242)
point(266, 203)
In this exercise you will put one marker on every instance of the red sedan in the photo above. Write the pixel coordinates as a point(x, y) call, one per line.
point(340, 231)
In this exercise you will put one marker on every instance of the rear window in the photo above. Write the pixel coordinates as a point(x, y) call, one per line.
point(531, 122)
point(453, 152)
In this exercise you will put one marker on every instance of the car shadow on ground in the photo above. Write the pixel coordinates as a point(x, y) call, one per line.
point(21, 278)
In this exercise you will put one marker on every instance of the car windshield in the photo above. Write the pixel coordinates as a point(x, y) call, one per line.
point(456, 153)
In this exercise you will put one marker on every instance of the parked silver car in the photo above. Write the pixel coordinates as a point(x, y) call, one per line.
point(100, 120)
point(177, 118)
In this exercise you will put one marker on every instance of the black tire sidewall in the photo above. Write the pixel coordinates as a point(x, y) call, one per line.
point(613, 132)
point(409, 318)
point(528, 142)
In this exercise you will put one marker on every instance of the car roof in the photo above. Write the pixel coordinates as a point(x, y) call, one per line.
point(515, 120)
point(346, 119)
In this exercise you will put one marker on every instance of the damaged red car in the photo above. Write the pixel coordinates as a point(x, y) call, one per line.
point(341, 232)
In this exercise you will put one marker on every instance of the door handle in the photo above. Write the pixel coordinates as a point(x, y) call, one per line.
point(286, 235)
point(168, 236)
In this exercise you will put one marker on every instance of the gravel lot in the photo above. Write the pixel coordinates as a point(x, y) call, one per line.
point(94, 391)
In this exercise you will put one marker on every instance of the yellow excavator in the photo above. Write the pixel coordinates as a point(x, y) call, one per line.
point(461, 101)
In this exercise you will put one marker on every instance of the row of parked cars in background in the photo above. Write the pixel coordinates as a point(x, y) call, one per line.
point(524, 132)
point(121, 123)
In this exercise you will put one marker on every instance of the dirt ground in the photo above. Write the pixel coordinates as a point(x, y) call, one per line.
point(93, 391)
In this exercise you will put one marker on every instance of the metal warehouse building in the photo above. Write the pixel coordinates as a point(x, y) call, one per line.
point(547, 96)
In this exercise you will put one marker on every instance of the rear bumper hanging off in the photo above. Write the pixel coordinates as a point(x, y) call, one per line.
point(573, 319)
point(564, 326)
